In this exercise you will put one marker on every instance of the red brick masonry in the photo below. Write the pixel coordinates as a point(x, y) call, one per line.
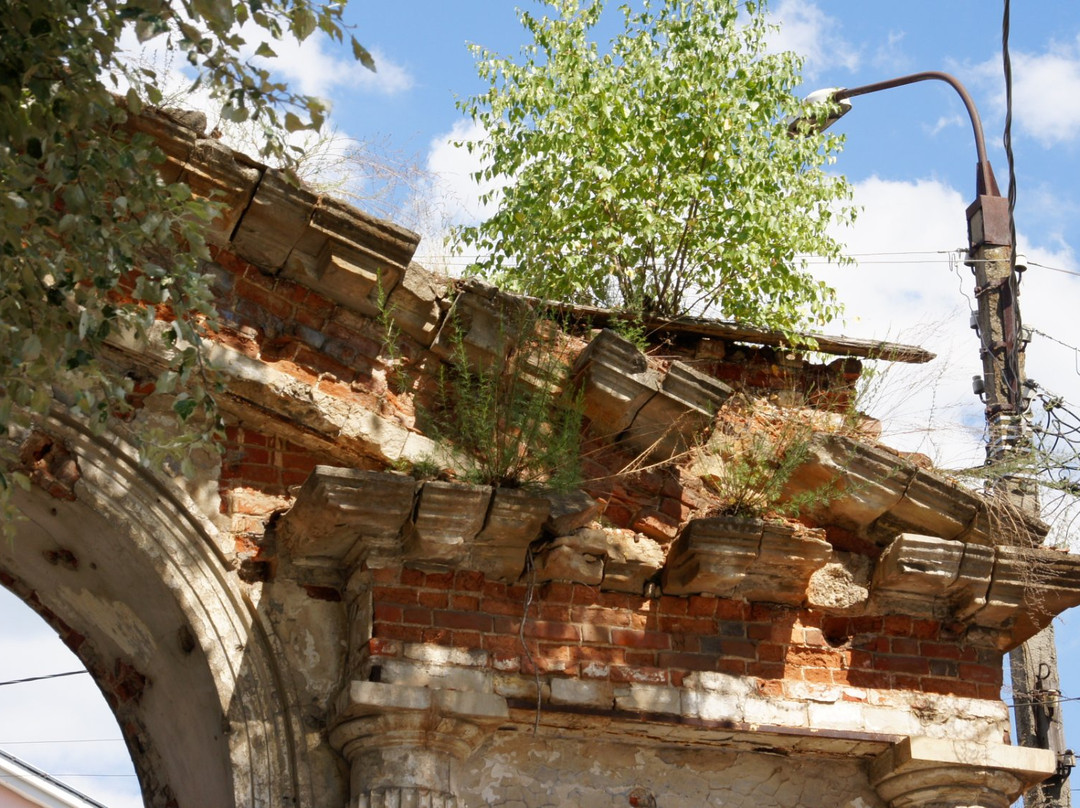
point(576, 630)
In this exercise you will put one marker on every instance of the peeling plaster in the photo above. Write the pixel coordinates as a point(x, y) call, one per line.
point(115, 618)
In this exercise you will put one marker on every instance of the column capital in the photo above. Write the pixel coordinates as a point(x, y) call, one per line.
point(401, 740)
point(921, 772)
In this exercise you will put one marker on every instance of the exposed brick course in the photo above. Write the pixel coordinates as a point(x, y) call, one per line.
point(576, 630)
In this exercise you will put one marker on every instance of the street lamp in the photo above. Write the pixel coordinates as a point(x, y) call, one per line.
point(988, 216)
point(990, 241)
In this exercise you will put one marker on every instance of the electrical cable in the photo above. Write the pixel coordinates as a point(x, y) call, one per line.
point(42, 678)
point(69, 740)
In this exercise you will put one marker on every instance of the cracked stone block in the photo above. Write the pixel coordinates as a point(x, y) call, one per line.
point(414, 303)
point(514, 521)
point(616, 382)
point(867, 481)
point(672, 420)
point(351, 277)
point(930, 505)
point(448, 517)
point(216, 172)
point(577, 557)
point(712, 556)
point(337, 508)
point(1052, 585)
point(914, 573)
point(787, 559)
point(968, 594)
point(274, 221)
point(570, 511)
point(1010, 583)
point(175, 139)
point(344, 254)
point(482, 321)
point(632, 561)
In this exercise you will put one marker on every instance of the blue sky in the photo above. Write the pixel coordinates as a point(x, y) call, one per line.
point(911, 159)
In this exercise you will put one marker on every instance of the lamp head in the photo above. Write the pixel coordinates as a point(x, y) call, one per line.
point(830, 95)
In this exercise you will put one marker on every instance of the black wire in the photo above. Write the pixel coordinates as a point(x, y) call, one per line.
point(1016, 342)
point(40, 678)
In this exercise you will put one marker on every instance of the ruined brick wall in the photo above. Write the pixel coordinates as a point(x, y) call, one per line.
point(579, 631)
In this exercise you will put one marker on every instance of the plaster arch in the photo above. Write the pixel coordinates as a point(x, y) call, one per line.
point(132, 577)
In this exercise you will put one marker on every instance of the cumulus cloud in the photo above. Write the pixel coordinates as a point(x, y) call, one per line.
point(807, 30)
point(945, 122)
point(911, 286)
point(452, 196)
point(312, 68)
point(1045, 88)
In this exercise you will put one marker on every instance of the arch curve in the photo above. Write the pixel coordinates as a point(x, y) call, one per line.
point(131, 574)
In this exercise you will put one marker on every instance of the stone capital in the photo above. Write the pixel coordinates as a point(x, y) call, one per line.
point(401, 741)
point(923, 772)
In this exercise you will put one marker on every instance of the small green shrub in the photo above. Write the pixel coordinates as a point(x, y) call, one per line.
point(513, 426)
point(750, 458)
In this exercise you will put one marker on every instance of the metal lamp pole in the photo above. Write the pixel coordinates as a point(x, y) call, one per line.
point(990, 254)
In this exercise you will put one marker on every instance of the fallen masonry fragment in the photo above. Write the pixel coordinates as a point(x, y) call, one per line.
point(306, 624)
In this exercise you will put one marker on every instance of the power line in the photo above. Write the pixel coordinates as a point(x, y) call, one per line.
point(71, 740)
point(1054, 269)
point(42, 678)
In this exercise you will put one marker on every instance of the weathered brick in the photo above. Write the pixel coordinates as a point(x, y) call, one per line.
point(640, 639)
point(701, 606)
point(897, 625)
point(387, 613)
point(465, 602)
point(905, 645)
point(692, 662)
point(551, 630)
point(416, 615)
point(468, 581)
point(980, 674)
point(433, 599)
point(472, 621)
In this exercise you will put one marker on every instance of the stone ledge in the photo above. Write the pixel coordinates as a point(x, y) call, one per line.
point(880, 495)
point(745, 558)
point(920, 771)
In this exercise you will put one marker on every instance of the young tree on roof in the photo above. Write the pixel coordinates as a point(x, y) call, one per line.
point(659, 173)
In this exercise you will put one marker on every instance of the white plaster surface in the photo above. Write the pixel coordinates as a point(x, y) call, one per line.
point(518, 770)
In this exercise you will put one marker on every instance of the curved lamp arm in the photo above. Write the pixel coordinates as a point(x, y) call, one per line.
point(988, 215)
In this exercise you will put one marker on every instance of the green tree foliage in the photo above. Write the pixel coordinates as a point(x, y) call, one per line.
point(94, 246)
point(658, 174)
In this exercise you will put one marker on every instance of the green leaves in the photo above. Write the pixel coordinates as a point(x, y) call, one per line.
point(96, 251)
point(656, 174)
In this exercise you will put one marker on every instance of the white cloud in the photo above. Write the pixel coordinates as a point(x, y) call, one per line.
point(807, 30)
point(944, 122)
point(452, 197)
point(904, 290)
point(312, 69)
point(890, 57)
point(1045, 88)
